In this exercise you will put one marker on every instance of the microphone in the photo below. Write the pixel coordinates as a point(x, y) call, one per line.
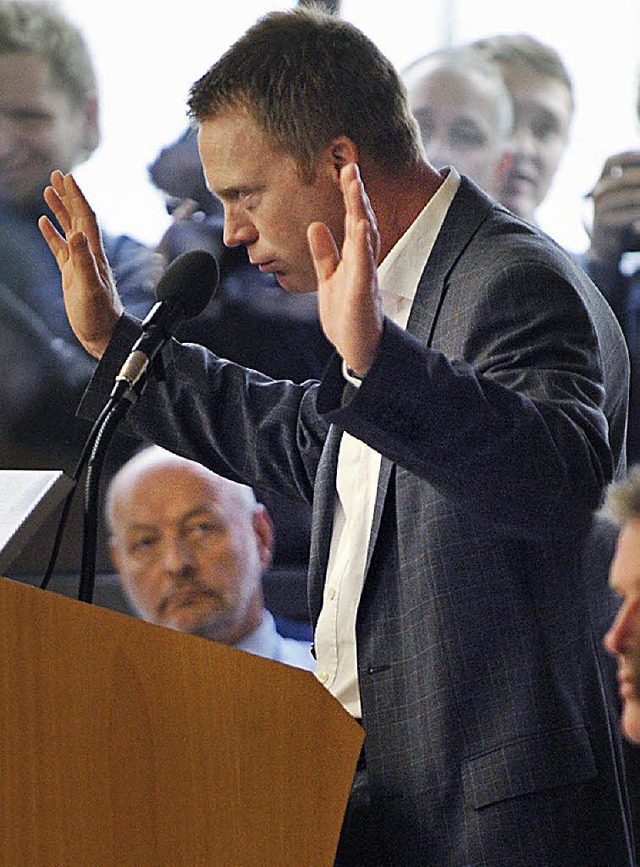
point(183, 291)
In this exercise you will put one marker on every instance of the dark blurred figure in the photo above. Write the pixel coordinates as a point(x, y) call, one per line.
point(612, 260)
point(48, 120)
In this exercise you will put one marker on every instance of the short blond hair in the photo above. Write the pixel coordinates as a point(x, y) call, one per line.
point(307, 77)
point(622, 499)
point(524, 51)
point(40, 28)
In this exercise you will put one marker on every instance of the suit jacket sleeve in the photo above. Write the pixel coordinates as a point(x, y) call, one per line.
point(508, 417)
point(263, 432)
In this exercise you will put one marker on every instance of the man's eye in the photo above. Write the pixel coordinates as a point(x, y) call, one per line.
point(544, 128)
point(143, 543)
point(468, 138)
point(249, 200)
point(203, 529)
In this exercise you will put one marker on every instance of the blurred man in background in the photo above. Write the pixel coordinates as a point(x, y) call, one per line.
point(464, 112)
point(542, 95)
point(48, 118)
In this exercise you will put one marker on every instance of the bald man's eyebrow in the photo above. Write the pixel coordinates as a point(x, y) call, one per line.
point(199, 510)
point(195, 512)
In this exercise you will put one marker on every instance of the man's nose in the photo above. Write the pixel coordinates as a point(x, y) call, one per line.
point(178, 558)
point(617, 637)
point(522, 142)
point(238, 229)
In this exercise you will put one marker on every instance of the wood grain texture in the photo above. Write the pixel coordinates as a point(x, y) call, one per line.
point(130, 744)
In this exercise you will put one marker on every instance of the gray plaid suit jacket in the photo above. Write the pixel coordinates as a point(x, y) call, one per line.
point(500, 414)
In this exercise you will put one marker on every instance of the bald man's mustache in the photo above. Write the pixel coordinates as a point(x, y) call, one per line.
point(185, 594)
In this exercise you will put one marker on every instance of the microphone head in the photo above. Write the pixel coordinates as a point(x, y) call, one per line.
point(189, 282)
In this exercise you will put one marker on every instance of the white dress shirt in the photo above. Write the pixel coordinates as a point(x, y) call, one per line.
point(266, 641)
point(359, 469)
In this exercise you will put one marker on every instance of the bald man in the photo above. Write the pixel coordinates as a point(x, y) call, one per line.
point(191, 548)
point(464, 112)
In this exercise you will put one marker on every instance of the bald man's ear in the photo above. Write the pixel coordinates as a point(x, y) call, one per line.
point(115, 555)
point(263, 528)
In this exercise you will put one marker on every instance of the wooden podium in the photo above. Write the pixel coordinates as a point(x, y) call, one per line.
point(125, 743)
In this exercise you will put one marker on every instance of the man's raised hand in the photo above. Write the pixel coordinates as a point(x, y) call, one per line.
point(90, 296)
point(348, 296)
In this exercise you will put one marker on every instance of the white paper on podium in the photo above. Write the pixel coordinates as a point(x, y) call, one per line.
point(27, 497)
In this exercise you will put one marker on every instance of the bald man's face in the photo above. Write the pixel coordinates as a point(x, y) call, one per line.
point(190, 551)
point(458, 113)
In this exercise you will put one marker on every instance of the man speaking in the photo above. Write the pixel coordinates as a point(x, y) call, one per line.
point(455, 449)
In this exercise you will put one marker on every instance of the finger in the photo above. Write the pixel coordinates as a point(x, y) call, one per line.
point(625, 183)
point(70, 197)
point(56, 204)
point(324, 251)
point(347, 175)
point(359, 208)
point(82, 258)
point(84, 220)
point(366, 256)
point(630, 207)
point(624, 158)
point(79, 204)
point(57, 181)
point(353, 192)
point(54, 239)
point(81, 211)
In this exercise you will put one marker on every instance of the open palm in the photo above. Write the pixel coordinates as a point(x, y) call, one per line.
point(348, 297)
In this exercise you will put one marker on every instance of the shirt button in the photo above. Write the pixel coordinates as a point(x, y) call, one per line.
point(332, 593)
point(322, 676)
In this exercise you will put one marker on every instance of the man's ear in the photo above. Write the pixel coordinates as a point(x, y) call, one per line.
point(340, 153)
point(91, 125)
point(263, 528)
point(114, 552)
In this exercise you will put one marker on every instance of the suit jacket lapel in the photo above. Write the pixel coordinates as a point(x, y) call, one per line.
point(467, 211)
point(322, 520)
point(468, 208)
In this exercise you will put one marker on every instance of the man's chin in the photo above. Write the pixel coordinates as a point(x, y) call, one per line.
point(184, 624)
point(186, 619)
point(294, 286)
point(210, 625)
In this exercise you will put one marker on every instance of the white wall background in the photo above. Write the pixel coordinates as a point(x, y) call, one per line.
point(148, 54)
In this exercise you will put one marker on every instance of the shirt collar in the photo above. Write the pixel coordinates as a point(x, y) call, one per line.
point(400, 271)
point(259, 641)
